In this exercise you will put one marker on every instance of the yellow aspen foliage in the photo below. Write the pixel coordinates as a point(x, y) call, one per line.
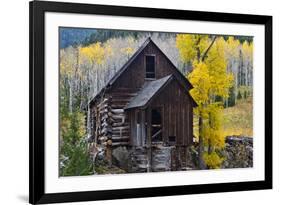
point(190, 45)
point(247, 49)
point(128, 50)
point(186, 44)
point(65, 124)
point(214, 134)
point(220, 79)
point(213, 160)
point(67, 61)
point(200, 79)
point(94, 53)
point(231, 49)
point(210, 80)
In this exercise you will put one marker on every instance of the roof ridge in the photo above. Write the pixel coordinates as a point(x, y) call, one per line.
point(131, 59)
point(123, 67)
point(128, 62)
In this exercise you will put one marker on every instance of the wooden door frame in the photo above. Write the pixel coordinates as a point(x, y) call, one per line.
point(161, 108)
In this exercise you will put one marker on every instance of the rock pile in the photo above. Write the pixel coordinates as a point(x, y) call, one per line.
point(238, 152)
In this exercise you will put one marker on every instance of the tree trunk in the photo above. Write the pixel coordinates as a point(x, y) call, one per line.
point(210, 147)
point(201, 142)
point(70, 96)
point(98, 80)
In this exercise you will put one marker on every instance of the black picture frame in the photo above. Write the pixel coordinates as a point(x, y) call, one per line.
point(37, 11)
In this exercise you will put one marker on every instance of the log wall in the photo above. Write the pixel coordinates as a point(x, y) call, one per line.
point(110, 124)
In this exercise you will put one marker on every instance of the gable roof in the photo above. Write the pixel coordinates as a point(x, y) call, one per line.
point(132, 58)
point(126, 65)
point(149, 90)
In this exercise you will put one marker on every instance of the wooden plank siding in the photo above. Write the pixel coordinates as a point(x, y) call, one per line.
point(134, 76)
point(177, 113)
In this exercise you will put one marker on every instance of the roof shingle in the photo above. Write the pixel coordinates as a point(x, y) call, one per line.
point(148, 91)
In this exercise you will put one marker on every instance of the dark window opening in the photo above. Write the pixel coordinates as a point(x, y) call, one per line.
point(138, 117)
point(150, 66)
point(172, 140)
point(156, 125)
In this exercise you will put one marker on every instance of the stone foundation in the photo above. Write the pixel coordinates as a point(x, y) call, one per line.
point(238, 153)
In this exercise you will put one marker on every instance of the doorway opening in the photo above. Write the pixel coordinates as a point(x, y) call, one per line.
point(156, 125)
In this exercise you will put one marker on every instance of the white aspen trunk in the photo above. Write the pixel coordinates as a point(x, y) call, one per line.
point(70, 96)
point(236, 87)
point(81, 92)
point(96, 79)
point(88, 105)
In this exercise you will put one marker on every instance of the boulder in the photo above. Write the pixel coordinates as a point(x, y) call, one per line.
point(120, 157)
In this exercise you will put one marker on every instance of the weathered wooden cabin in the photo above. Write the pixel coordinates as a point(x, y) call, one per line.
point(147, 110)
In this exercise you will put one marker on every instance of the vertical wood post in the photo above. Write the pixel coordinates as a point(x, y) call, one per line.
point(109, 153)
point(149, 148)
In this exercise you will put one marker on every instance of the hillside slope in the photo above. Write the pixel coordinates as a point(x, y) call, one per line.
point(238, 120)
